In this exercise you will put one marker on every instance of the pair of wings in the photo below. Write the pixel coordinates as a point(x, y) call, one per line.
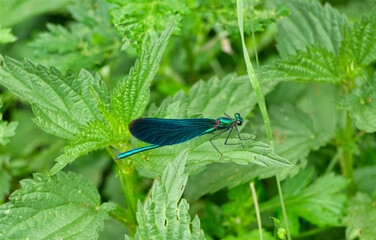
point(164, 132)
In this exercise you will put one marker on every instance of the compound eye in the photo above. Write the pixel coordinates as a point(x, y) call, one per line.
point(239, 123)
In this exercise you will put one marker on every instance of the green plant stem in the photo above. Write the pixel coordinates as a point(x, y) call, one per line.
point(126, 177)
point(255, 201)
point(261, 102)
point(347, 155)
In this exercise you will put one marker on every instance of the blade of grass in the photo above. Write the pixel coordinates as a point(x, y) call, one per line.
point(261, 102)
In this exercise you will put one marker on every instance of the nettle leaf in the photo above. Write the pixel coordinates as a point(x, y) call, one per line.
point(320, 203)
point(361, 218)
point(255, 12)
point(360, 40)
point(361, 103)
point(85, 43)
point(163, 216)
point(202, 153)
point(67, 203)
point(128, 101)
point(314, 64)
point(131, 95)
point(365, 179)
point(6, 35)
point(310, 23)
point(140, 21)
point(294, 133)
point(62, 104)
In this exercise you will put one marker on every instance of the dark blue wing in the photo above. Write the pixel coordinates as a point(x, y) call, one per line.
point(169, 131)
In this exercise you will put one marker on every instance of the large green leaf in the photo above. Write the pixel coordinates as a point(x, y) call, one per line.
point(320, 203)
point(360, 40)
point(62, 104)
point(309, 23)
point(131, 95)
point(138, 22)
point(64, 206)
point(361, 218)
point(361, 103)
point(128, 102)
point(84, 43)
point(314, 64)
point(163, 216)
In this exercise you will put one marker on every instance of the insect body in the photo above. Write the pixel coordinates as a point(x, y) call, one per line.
point(163, 132)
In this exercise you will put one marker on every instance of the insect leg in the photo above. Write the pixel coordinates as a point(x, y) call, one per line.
point(215, 137)
point(229, 136)
point(227, 115)
point(239, 135)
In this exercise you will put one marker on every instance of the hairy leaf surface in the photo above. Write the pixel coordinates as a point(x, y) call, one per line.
point(62, 104)
point(164, 206)
point(64, 206)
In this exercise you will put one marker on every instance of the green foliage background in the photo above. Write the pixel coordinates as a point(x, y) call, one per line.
point(73, 74)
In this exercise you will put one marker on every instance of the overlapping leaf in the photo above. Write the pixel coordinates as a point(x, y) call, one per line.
point(138, 22)
point(360, 40)
point(320, 203)
point(310, 23)
point(62, 104)
point(128, 102)
point(361, 218)
point(314, 64)
point(361, 103)
point(164, 207)
point(64, 206)
point(84, 43)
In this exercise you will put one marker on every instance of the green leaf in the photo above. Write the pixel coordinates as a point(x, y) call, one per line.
point(314, 64)
point(128, 102)
point(365, 179)
point(361, 103)
point(202, 153)
point(294, 132)
point(320, 203)
point(257, 13)
point(131, 95)
point(138, 22)
point(295, 136)
point(62, 104)
point(310, 23)
point(360, 40)
point(6, 35)
point(84, 43)
point(163, 216)
point(361, 218)
point(13, 12)
point(67, 203)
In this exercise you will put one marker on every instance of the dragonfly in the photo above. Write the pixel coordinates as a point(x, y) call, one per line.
point(164, 132)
